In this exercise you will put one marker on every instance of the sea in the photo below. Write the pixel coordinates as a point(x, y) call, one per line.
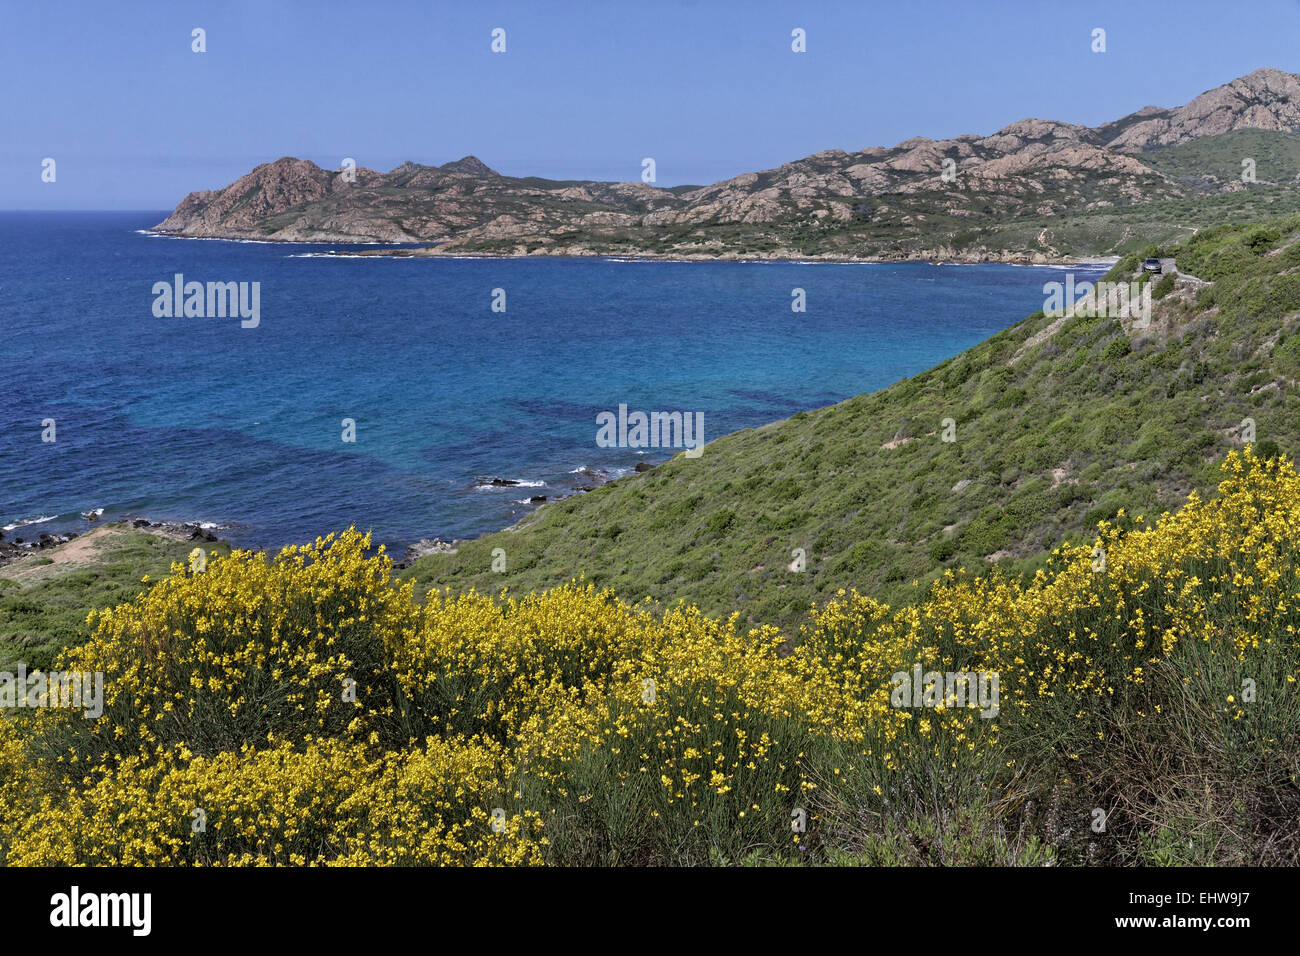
point(469, 388)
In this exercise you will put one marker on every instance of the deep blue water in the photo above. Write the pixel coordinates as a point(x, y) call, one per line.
point(200, 419)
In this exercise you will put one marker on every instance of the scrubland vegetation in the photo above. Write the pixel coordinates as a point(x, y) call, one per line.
point(306, 709)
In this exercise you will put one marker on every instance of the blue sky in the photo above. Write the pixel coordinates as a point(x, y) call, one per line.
point(135, 119)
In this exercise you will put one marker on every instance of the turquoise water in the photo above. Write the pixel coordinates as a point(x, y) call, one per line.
point(202, 419)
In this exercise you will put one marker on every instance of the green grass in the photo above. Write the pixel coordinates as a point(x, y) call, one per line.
point(1132, 421)
point(1213, 161)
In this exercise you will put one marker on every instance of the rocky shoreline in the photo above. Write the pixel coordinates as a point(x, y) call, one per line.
point(933, 257)
point(15, 546)
point(944, 257)
point(586, 479)
point(18, 543)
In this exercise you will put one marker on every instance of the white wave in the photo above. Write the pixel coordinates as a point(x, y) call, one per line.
point(353, 255)
point(608, 474)
point(26, 521)
point(163, 235)
point(515, 484)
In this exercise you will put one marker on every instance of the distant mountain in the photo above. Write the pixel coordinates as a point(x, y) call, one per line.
point(993, 197)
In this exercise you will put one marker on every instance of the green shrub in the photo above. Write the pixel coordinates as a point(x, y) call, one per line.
point(1117, 349)
point(943, 549)
point(721, 521)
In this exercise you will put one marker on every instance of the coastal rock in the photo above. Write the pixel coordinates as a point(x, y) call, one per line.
point(53, 540)
point(425, 547)
point(22, 547)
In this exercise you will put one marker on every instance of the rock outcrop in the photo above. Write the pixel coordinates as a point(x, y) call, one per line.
point(1264, 99)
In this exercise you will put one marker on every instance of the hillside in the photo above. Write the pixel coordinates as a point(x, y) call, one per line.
point(1215, 162)
point(1155, 696)
point(1000, 198)
point(1059, 423)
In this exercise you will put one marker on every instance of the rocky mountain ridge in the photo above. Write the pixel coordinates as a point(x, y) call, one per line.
point(919, 197)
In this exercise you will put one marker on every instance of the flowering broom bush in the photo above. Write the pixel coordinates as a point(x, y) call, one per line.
point(304, 709)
